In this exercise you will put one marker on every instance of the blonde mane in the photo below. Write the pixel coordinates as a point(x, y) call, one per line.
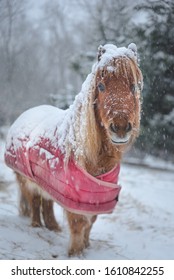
point(81, 138)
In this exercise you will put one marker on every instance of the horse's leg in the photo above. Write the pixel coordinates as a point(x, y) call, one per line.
point(24, 206)
point(30, 200)
point(78, 224)
point(88, 230)
point(36, 209)
point(48, 215)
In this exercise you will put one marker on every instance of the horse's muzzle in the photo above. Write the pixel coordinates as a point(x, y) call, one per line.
point(115, 128)
point(120, 135)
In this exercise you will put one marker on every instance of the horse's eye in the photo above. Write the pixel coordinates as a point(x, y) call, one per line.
point(101, 87)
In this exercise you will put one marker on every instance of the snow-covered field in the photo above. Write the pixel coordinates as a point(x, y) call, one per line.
point(141, 227)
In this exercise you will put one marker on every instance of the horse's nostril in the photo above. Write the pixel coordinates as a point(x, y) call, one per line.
point(128, 127)
point(116, 128)
point(113, 127)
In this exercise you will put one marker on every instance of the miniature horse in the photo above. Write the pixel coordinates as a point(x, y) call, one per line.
point(101, 124)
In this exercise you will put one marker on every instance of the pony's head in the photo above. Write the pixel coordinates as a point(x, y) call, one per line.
point(105, 115)
point(118, 86)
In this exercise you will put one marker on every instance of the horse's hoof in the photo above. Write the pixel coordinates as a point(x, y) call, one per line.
point(87, 244)
point(36, 224)
point(54, 227)
point(75, 252)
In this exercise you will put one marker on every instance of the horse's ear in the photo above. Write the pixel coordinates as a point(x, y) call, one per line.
point(101, 50)
point(133, 48)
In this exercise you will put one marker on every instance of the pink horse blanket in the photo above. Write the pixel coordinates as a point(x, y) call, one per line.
point(31, 151)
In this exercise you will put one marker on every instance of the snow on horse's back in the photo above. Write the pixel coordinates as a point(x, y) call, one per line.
point(91, 135)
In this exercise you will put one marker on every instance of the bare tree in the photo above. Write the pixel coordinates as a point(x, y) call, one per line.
point(108, 21)
point(102, 22)
point(22, 49)
point(11, 18)
point(61, 47)
point(11, 14)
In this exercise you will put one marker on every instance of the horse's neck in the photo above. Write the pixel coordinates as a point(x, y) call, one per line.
point(104, 164)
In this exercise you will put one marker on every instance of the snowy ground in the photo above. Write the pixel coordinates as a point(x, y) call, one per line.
point(141, 227)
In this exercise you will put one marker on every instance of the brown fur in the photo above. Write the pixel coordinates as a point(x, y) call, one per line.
point(117, 105)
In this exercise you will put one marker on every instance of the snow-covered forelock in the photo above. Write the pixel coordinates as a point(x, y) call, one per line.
point(110, 51)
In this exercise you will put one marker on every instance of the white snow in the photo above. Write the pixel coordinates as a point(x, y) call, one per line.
point(111, 51)
point(32, 124)
point(141, 226)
